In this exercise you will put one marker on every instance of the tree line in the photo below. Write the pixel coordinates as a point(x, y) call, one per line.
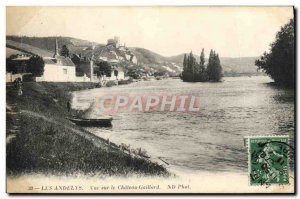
point(199, 72)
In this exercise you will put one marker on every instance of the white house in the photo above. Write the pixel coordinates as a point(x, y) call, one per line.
point(58, 69)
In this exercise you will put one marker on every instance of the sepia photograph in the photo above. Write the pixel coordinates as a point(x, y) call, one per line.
point(150, 100)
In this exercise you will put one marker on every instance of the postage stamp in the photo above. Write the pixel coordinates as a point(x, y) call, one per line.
point(268, 160)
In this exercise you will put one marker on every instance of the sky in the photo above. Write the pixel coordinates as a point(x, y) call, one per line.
point(169, 31)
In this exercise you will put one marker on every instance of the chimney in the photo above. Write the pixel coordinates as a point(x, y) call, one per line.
point(56, 48)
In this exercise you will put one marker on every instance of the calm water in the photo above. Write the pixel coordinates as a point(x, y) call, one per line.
point(211, 139)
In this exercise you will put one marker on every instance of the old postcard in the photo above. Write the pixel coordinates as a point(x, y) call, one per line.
point(150, 100)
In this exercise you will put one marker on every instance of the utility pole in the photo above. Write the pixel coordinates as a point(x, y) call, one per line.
point(92, 63)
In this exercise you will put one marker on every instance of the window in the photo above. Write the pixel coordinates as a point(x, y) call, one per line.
point(65, 71)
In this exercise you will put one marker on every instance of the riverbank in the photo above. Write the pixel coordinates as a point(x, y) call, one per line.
point(41, 140)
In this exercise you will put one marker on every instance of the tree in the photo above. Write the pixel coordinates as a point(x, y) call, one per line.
point(11, 65)
point(105, 67)
point(210, 64)
point(35, 65)
point(133, 73)
point(214, 68)
point(116, 72)
point(203, 73)
point(202, 60)
point(64, 51)
point(194, 72)
point(188, 73)
point(79, 72)
point(279, 63)
point(217, 69)
point(184, 61)
point(195, 68)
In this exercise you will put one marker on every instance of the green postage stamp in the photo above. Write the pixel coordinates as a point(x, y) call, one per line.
point(268, 159)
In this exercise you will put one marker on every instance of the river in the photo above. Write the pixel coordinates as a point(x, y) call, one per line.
point(210, 139)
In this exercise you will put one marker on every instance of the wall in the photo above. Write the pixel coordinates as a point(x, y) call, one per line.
point(83, 79)
point(55, 73)
point(11, 77)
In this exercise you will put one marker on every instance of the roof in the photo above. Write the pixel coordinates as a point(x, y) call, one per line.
point(21, 58)
point(28, 48)
point(118, 69)
point(49, 60)
point(65, 61)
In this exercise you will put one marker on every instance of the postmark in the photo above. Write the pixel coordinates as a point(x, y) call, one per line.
point(268, 160)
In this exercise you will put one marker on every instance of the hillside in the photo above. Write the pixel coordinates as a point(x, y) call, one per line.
point(239, 65)
point(230, 65)
point(147, 57)
point(143, 56)
point(14, 47)
point(48, 43)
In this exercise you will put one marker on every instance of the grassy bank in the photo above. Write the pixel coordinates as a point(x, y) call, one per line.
point(41, 139)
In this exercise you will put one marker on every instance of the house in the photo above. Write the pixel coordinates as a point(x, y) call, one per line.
point(83, 66)
point(120, 72)
point(58, 68)
point(133, 58)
